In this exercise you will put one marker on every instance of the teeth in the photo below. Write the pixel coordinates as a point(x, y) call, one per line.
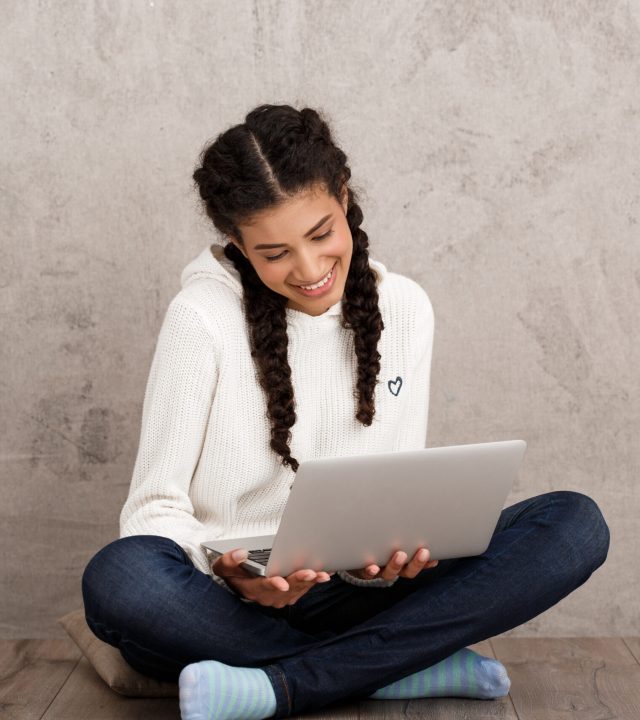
point(317, 285)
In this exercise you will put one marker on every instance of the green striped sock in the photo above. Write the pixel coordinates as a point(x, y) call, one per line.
point(463, 674)
point(211, 690)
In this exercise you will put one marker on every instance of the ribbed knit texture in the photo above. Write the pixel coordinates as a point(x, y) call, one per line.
point(204, 468)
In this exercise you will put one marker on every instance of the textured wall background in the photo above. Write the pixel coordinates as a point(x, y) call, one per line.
point(496, 145)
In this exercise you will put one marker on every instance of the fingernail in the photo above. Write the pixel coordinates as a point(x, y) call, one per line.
point(239, 555)
point(422, 555)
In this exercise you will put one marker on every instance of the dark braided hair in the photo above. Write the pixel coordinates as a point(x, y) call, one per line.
point(275, 154)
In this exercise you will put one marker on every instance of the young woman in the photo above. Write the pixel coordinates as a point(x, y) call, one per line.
point(252, 374)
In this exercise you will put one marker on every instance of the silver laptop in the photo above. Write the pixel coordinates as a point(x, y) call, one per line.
point(354, 510)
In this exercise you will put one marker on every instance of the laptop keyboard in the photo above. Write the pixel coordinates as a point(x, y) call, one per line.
point(260, 556)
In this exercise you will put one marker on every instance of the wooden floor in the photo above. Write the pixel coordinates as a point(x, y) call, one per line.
point(551, 679)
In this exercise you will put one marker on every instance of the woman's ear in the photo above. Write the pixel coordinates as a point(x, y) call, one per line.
point(238, 245)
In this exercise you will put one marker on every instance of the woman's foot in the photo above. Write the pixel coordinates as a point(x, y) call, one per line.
point(463, 674)
point(215, 691)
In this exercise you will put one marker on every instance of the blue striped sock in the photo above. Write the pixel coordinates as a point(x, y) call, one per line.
point(211, 690)
point(463, 674)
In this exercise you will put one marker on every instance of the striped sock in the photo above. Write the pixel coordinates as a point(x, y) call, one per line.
point(211, 690)
point(463, 674)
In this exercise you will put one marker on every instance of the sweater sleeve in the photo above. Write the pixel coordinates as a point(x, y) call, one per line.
point(178, 396)
point(362, 582)
point(412, 428)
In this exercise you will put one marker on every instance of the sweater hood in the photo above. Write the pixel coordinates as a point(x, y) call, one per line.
point(214, 264)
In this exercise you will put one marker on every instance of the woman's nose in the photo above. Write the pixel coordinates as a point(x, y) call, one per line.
point(310, 268)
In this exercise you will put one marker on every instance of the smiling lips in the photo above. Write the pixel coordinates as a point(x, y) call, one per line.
point(311, 286)
point(325, 288)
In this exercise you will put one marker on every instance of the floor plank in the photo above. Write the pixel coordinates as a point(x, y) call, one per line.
point(633, 643)
point(437, 709)
point(31, 674)
point(571, 678)
point(85, 695)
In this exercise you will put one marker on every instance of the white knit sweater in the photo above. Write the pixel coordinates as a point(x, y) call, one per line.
point(204, 468)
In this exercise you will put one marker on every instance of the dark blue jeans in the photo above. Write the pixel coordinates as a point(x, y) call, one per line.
point(340, 642)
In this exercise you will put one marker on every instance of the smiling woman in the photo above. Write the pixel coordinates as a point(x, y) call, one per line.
point(278, 182)
point(219, 425)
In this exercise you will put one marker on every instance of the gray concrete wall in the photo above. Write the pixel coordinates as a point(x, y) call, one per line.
point(496, 145)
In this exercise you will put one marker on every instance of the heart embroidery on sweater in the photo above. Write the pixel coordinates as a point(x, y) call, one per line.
point(395, 385)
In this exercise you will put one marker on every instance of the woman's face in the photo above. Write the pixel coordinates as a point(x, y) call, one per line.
point(308, 236)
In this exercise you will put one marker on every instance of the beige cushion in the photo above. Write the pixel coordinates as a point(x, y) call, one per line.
point(109, 663)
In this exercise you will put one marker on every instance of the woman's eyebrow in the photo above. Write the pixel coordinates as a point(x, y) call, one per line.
point(309, 232)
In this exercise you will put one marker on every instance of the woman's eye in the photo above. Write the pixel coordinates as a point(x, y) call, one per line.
point(277, 257)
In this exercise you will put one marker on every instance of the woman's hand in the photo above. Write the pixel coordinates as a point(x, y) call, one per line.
point(273, 591)
point(396, 566)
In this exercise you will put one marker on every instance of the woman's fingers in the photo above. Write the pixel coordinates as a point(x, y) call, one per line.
point(419, 562)
point(276, 591)
point(278, 583)
point(396, 565)
point(297, 580)
point(305, 575)
point(304, 578)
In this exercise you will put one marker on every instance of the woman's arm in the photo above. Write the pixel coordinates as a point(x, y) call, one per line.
point(177, 402)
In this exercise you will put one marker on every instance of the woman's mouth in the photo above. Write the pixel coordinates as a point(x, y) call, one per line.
point(325, 285)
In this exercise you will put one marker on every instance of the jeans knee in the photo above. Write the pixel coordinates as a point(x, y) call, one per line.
point(590, 532)
point(109, 580)
point(127, 578)
point(97, 578)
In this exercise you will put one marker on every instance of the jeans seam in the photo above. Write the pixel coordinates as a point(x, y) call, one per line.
point(286, 689)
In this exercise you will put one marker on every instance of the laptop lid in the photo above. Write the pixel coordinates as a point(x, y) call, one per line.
point(353, 510)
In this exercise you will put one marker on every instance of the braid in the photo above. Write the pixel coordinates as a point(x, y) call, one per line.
point(361, 313)
point(277, 153)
